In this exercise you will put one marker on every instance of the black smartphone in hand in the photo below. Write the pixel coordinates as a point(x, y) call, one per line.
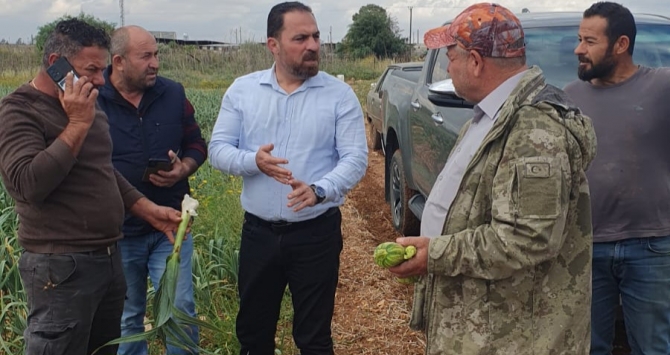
point(59, 69)
point(156, 165)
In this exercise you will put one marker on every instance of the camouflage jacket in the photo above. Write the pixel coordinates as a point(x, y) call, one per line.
point(511, 273)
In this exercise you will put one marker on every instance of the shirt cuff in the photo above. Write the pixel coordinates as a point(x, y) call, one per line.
point(249, 163)
point(131, 197)
point(436, 263)
point(331, 194)
point(195, 155)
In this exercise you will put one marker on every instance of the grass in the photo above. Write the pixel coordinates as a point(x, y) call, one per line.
point(195, 68)
point(216, 231)
point(12, 297)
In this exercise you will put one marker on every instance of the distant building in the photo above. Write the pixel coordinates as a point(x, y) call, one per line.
point(202, 44)
point(164, 34)
point(218, 46)
point(167, 37)
point(329, 47)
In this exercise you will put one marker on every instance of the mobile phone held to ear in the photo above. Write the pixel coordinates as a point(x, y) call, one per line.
point(156, 165)
point(59, 69)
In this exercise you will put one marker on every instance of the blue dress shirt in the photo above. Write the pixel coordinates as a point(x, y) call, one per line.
point(318, 128)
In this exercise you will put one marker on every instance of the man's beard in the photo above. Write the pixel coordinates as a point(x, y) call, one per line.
point(597, 71)
point(141, 83)
point(304, 71)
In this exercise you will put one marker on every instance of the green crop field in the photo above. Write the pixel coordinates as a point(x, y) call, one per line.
point(217, 228)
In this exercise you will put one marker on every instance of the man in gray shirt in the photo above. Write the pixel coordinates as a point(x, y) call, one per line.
point(629, 181)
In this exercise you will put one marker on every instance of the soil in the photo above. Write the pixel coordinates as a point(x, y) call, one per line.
point(372, 310)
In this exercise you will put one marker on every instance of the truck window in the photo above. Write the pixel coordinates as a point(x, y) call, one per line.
point(382, 81)
point(652, 45)
point(552, 49)
point(411, 74)
point(440, 63)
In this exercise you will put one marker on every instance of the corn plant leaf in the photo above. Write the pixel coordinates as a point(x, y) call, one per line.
point(165, 296)
point(184, 318)
point(169, 322)
point(146, 336)
point(175, 333)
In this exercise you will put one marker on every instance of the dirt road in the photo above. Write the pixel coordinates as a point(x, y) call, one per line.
point(372, 309)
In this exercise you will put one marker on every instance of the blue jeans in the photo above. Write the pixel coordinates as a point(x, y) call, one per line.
point(638, 271)
point(144, 255)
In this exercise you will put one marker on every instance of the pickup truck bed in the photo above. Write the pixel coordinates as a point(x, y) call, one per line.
point(395, 75)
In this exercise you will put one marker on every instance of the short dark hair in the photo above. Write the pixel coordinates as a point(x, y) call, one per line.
point(276, 16)
point(620, 22)
point(70, 36)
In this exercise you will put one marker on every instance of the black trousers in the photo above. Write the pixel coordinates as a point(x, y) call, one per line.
point(75, 302)
point(304, 255)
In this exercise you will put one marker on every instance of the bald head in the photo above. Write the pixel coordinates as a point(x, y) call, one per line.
point(134, 59)
point(123, 36)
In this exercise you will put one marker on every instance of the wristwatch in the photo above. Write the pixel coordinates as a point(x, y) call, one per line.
point(319, 192)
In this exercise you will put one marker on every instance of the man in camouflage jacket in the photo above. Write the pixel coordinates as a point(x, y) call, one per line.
point(505, 252)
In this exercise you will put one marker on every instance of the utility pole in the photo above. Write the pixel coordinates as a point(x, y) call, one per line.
point(410, 33)
point(123, 21)
point(330, 35)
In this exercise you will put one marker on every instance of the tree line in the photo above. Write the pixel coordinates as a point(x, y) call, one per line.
point(373, 32)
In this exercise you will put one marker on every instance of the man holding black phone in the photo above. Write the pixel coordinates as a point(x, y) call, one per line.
point(55, 161)
point(157, 146)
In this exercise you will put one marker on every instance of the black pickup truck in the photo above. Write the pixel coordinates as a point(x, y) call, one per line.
point(422, 119)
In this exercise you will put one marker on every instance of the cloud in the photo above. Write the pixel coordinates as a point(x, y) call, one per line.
point(224, 20)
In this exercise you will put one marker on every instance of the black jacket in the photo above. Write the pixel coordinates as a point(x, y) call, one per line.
point(163, 121)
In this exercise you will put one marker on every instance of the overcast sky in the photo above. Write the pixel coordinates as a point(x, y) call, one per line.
point(224, 20)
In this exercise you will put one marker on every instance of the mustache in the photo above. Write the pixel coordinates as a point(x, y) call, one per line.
point(583, 59)
point(310, 56)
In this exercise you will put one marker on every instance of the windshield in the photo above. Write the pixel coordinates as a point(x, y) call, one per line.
point(552, 49)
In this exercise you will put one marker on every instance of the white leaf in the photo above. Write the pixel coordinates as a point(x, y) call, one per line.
point(189, 205)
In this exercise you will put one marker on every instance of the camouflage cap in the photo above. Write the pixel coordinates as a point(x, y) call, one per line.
point(490, 29)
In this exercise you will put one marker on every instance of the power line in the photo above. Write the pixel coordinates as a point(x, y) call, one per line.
point(410, 33)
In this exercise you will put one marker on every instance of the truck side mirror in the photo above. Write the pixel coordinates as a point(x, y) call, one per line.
point(443, 87)
point(443, 94)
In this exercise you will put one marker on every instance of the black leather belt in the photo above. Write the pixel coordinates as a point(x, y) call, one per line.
point(285, 226)
point(109, 250)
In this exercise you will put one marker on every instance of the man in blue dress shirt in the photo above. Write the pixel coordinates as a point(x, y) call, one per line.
point(296, 136)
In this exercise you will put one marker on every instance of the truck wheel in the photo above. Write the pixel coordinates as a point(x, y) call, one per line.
point(374, 138)
point(404, 219)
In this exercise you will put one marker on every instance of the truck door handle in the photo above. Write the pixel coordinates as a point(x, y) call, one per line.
point(437, 118)
point(416, 104)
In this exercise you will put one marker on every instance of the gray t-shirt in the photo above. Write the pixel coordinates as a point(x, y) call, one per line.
point(630, 176)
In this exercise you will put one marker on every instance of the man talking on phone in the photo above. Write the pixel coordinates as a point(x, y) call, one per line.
point(55, 161)
point(157, 146)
